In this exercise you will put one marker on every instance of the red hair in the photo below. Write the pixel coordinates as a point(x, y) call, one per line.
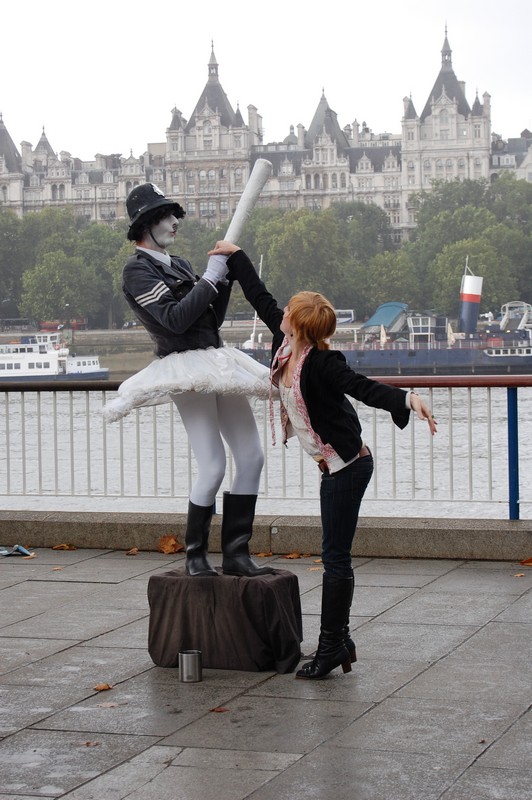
point(312, 318)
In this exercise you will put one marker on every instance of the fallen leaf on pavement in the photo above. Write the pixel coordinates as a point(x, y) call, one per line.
point(64, 546)
point(292, 555)
point(169, 544)
point(91, 744)
point(263, 555)
point(527, 562)
point(102, 687)
point(519, 575)
point(219, 710)
point(133, 552)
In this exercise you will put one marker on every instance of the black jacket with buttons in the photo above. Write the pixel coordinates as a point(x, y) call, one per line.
point(179, 310)
point(325, 378)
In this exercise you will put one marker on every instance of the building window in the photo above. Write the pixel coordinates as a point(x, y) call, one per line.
point(427, 164)
point(439, 164)
point(477, 131)
point(343, 181)
point(334, 180)
point(191, 207)
point(4, 194)
point(411, 165)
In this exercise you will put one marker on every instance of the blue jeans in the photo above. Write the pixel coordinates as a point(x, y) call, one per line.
point(340, 497)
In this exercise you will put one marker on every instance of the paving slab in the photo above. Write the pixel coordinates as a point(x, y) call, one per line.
point(436, 708)
point(50, 763)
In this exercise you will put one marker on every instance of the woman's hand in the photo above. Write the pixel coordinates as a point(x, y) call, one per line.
point(423, 412)
point(223, 248)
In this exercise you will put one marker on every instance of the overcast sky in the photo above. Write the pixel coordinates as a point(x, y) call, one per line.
point(104, 76)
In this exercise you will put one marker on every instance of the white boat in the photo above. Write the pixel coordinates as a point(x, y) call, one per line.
point(44, 356)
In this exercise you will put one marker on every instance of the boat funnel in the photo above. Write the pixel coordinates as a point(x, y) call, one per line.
point(470, 294)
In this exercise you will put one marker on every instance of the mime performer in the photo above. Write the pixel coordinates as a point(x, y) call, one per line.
point(208, 383)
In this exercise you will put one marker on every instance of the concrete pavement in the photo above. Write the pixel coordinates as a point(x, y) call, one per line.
point(436, 708)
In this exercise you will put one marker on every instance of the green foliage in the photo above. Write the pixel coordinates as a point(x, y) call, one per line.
point(448, 196)
point(52, 258)
point(307, 252)
point(11, 263)
point(59, 287)
point(445, 274)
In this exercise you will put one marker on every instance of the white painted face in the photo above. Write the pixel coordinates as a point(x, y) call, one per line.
point(164, 231)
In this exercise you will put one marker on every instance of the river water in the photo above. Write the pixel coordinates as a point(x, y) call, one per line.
point(57, 445)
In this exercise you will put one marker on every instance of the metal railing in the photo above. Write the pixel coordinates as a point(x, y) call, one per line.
point(55, 443)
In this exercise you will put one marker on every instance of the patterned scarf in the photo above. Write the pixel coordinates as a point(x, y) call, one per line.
point(281, 357)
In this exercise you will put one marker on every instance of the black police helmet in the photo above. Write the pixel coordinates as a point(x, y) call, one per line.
point(142, 201)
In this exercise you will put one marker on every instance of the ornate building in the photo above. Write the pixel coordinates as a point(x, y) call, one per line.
point(206, 160)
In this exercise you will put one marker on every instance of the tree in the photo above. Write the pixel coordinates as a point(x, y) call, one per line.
point(367, 228)
point(445, 228)
point(510, 200)
point(306, 251)
point(445, 275)
point(11, 263)
point(448, 196)
point(98, 245)
point(59, 287)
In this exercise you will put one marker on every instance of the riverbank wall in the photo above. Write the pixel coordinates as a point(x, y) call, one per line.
point(291, 536)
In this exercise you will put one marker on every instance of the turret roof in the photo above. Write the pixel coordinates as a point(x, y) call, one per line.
point(215, 98)
point(326, 119)
point(8, 150)
point(44, 145)
point(446, 83)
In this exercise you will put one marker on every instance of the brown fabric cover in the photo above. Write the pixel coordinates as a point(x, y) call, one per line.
point(251, 624)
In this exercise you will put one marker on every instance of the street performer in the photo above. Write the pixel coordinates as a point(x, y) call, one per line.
point(208, 383)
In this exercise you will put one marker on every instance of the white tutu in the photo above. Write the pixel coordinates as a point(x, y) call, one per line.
point(224, 370)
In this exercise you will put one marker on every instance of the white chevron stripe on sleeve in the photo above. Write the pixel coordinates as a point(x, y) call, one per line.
point(153, 295)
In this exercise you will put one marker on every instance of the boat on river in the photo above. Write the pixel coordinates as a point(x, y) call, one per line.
point(44, 356)
point(399, 341)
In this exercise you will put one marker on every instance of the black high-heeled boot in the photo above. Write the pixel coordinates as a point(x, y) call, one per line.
point(237, 527)
point(197, 540)
point(332, 650)
point(349, 643)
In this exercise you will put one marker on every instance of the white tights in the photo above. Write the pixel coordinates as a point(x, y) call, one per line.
point(209, 417)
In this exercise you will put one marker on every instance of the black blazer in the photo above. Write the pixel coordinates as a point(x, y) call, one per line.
point(326, 378)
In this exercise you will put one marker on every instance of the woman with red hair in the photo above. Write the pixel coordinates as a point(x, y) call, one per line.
point(313, 383)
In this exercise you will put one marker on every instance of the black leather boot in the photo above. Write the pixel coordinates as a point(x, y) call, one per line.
point(197, 540)
point(349, 643)
point(237, 527)
point(332, 649)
